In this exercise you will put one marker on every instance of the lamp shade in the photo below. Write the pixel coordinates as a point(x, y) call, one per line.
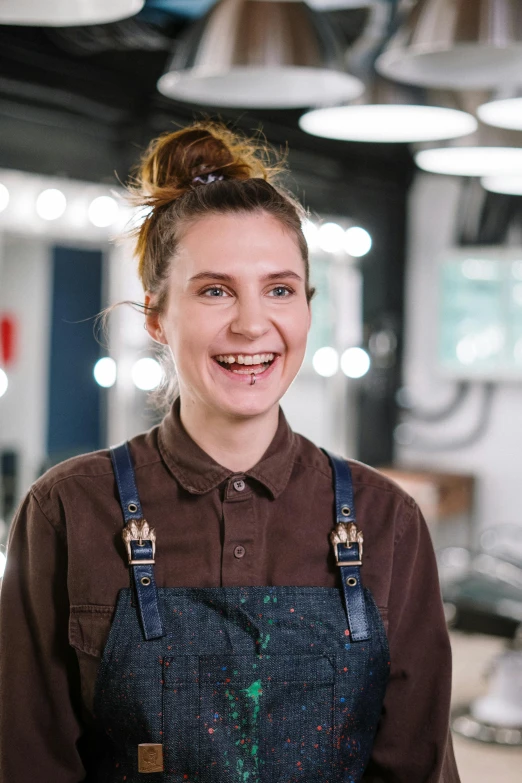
point(471, 161)
point(509, 184)
point(388, 123)
point(457, 44)
point(505, 113)
point(260, 54)
point(66, 13)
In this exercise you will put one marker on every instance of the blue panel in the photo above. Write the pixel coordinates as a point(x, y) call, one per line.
point(74, 395)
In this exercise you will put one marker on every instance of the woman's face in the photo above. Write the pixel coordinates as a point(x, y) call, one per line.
point(236, 311)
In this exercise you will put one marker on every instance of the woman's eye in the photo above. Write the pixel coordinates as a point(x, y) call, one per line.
point(281, 291)
point(215, 291)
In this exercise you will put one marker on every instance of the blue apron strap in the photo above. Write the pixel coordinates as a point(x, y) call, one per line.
point(348, 557)
point(141, 554)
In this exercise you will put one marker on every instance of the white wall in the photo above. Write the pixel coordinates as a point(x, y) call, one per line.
point(496, 459)
point(25, 293)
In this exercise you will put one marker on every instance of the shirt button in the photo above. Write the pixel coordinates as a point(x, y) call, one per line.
point(239, 485)
point(239, 551)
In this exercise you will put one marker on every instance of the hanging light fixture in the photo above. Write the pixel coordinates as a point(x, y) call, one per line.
point(503, 113)
point(260, 54)
point(457, 44)
point(388, 123)
point(336, 5)
point(471, 161)
point(66, 13)
point(386, 114)
point(509, 184)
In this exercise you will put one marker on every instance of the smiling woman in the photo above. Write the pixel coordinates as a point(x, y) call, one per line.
point(246, 647)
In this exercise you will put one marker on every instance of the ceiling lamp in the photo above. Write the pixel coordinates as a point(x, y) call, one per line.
point(506, 113)
point(66, 13)
point(336, 5)
point(471, 161)
point(267, 54)
point(457, 44)
point(388, 123)
point(509, 184)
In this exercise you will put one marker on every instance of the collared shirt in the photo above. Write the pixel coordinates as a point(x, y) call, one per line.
point(268, 526)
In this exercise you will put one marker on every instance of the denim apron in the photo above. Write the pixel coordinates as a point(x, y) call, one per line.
point(239, 684)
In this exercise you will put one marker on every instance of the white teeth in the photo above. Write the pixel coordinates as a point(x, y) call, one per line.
point(258, 358)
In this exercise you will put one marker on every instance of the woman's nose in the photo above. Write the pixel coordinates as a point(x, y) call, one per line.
point(250, 319)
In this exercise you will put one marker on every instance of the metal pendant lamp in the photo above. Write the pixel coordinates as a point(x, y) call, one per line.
point(66, 13)
point(267, 54)
point(457, 44)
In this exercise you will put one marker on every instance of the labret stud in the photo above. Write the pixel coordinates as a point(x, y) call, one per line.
point(252, 379)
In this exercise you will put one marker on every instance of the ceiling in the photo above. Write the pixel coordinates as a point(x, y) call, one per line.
point(82, 102)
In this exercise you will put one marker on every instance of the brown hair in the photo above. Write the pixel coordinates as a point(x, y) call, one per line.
point(173, 182)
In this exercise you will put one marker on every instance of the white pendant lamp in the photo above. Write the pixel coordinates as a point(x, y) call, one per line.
point(66, 13)
point(457, 44)
point(505, 113)
point(388, 123)
point(266, 54)
point(336, 5)
point(471, 161)
point(509, 184)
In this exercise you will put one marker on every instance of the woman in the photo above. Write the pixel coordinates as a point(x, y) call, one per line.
point(245, 648)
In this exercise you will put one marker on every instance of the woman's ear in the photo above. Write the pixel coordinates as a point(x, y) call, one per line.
point(152, 320)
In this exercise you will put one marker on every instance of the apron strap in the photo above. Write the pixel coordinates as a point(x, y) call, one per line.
point(349, 557)
point(141, 554)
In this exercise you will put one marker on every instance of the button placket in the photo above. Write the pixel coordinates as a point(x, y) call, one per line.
point(238, 557)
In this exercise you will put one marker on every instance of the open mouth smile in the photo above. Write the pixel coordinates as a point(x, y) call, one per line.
point(246, 364)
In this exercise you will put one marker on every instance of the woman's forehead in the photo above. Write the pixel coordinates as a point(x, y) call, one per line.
point(237, 241)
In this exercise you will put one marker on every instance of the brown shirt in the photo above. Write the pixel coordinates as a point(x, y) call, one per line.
point(269, 526)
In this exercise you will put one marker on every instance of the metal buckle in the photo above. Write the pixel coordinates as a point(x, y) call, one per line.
point(346, 533)
point(139, 530)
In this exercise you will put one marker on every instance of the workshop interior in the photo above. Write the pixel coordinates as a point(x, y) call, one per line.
point(401, 122)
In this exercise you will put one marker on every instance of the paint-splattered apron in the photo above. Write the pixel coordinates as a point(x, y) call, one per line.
point(240, 684)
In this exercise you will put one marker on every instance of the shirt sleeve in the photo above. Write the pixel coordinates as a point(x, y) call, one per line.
point(40, 708)
point(413, 742)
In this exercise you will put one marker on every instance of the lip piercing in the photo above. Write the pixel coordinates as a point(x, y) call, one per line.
point(252, 379)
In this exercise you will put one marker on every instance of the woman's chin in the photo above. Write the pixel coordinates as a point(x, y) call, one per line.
point(245, 405)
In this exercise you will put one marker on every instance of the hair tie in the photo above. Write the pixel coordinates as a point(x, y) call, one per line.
point(205, 179)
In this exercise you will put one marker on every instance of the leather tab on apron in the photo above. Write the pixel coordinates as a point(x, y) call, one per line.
point(150, 758)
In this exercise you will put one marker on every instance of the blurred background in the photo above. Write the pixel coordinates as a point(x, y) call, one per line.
point(403, 121)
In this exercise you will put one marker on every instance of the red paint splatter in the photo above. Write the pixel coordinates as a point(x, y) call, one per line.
point(211, 731)
point(347, 632)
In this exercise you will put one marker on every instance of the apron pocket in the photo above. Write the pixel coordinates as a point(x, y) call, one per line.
point(266, 718)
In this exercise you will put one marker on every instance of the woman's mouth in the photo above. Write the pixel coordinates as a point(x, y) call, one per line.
point(246, 364)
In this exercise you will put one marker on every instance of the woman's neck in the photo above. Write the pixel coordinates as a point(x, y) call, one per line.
point(237, 444)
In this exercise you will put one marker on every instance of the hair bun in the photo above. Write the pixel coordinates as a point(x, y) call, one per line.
point(176, 162)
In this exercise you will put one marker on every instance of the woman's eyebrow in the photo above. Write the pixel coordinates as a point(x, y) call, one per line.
point(285, 273)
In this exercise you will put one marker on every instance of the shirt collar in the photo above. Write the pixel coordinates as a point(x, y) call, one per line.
point(198, 473)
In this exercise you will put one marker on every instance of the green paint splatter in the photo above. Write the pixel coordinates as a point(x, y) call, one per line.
point(239, 767)
point(254, 691)
point(266, 599)
point(263, 640)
